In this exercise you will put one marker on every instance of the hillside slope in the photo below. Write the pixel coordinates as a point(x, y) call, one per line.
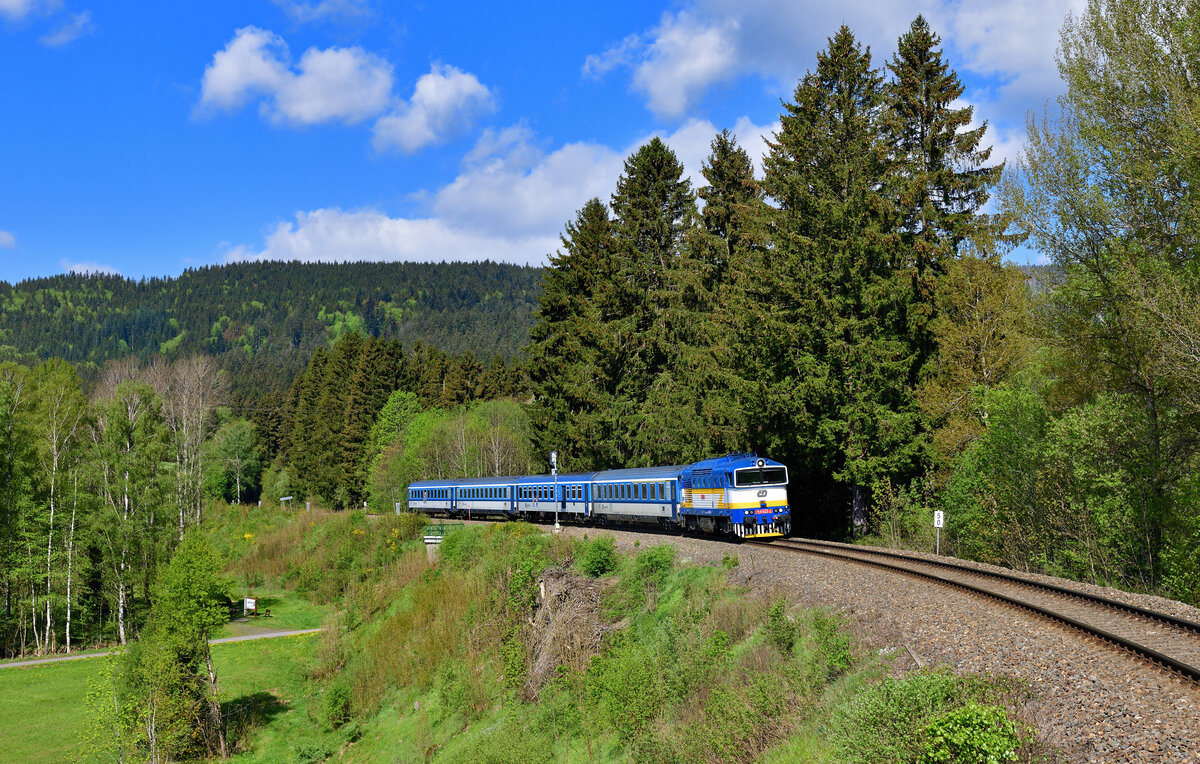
point(269, 308)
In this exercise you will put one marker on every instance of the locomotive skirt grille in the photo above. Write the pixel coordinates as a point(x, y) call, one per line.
point(775, 528)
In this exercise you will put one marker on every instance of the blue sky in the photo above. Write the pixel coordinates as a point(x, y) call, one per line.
point(146, 138)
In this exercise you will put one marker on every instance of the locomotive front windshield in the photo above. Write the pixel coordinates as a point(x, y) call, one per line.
point(760, 476)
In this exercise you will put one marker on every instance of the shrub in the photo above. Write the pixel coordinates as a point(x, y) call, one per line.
point(599, 557)
point(833, 643)
point(729, 561)
point(309, 752)
point(781, 632)
point(888, 721)
point(971, 734)
point(335, 703)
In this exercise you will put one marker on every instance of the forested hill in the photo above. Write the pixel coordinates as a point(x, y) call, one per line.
point(269, 308)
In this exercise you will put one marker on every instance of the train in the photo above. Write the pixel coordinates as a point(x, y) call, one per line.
point(742, 495)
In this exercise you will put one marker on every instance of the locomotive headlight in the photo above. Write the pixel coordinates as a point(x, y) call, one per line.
point(761, 463)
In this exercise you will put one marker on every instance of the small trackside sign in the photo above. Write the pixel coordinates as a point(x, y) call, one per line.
point(939, 518)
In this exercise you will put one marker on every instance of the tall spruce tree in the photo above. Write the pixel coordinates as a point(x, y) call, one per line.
point(940, 179)
point(727, 244)
point(838, 387)
point(643, 360)
point(568, 401)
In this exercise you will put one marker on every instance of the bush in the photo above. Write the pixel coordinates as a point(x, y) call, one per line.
point(310, 753)
point(781, 633)
point(971, 734)
point(889, 721)
point(335, 703)
point(832, 643)
point(599, 557)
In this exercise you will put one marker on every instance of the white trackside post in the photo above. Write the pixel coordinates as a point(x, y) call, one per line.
point(938, 519)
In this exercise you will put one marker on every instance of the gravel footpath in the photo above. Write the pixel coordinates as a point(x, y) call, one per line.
point(1092, 701)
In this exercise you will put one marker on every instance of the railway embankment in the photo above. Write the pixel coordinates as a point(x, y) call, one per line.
point(1093, 702)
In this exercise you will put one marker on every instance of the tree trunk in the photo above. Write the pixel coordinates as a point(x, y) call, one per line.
point(49, 548)
point(214, 706)
point(70, 562)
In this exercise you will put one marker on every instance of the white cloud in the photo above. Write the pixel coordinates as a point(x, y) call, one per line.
point(89, 268)
point(1014, 41)
point(252, 63)
point(445, 102)
point(335, 84)
point(334, 235)
point(683, 60)
point(77, 25)
point(346, 84)
point(708, 42)
point(512, 187)
point(624, 53)
point(7, 240)
point(509, 202)
point(316, 11)
point(18, 9)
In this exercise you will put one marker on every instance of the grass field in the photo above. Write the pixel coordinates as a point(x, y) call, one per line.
point(289, 610)
point(41, 707)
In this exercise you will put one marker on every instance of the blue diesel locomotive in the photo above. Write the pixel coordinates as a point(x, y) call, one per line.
point(740, 494)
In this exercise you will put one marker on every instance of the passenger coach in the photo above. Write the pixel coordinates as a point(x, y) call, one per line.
point(740, 494)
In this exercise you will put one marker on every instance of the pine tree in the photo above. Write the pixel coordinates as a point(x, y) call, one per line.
point(940, 181)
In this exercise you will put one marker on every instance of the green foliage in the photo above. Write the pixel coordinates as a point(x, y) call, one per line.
point(891, 721)
point(309, 752)
point(598, 557)
point(335, 703)
point(970, 735)
point(269, 309)
point(487, 438)
point(640, 587)
point(781, 633)
point(233, 462)
point(833, 643)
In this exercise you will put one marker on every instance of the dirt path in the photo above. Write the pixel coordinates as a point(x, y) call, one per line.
point(221, 641)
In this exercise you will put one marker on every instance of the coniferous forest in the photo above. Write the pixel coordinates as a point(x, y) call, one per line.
point(848, 311)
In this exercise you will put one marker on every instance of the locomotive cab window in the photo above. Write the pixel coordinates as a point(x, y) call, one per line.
point(760, 476)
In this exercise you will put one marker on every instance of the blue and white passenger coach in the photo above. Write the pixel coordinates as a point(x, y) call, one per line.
point(740, 494)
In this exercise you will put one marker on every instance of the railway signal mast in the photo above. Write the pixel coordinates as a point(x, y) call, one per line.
point(554, 472)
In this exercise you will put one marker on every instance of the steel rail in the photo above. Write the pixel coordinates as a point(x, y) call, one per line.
point(1171, 664)
point(1181, 623)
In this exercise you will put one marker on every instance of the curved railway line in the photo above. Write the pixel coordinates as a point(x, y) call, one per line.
point(1164, 640)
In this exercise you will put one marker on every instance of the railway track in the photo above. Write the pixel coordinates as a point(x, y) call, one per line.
point(1164, 640)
